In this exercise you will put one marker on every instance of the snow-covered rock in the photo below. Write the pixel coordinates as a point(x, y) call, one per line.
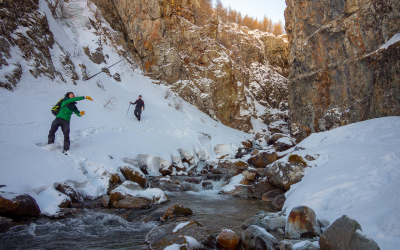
point(18, 206)
point(130, 195)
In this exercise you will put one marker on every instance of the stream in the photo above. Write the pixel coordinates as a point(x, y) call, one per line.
point(121, 229)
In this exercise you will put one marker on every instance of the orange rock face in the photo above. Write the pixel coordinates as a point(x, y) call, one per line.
point(338, 73)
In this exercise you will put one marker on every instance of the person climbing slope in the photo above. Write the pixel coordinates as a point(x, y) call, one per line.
point(139, 105)
point(64, 116)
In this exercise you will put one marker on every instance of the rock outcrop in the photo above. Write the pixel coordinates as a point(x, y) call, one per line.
point(340, 70)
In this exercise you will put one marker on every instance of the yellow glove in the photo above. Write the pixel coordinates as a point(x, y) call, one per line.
point(89, 98)
point(82, 113)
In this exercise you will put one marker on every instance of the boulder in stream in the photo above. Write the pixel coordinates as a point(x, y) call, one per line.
point(187, 234)
point(257, 238)
point(18, 206)
point(125, 196)
point(176, 211)
point(228, 240)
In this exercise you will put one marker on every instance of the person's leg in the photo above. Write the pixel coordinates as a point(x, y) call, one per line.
point(139, 114)
point(65, 129)
point(136, 113)
point(53, 129)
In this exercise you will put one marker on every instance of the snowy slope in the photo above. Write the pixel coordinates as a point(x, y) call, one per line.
point(28, 165)
point(357, 174)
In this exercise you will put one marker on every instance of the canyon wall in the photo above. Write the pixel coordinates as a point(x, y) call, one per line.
point(341, 67)
point(220, 68)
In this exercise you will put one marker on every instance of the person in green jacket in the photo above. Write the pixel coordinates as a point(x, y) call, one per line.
point(64, 117)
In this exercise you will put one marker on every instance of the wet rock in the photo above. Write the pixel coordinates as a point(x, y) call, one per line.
point(262, 187)
point(166, 183)
point(345, 234)
point(176, 211)
point(279, 202)
point(134, 175)
point(228, 240)
point(105, 200)
point(193, 180)
point(207, 185)
point(263, 159)
point(257, 238)
point(284, 174)
point(18, 206)
point(120, 200)
point(126, 197)
point(6, 224)
point(302, 222)
point(242, 191)
point(271, 195)
point(254, 221)
point(69, 191)
point(172, 233)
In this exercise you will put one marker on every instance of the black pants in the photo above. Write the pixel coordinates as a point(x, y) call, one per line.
point(65, 129)
point(138, 112)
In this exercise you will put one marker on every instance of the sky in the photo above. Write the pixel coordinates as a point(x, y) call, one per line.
point(274, 9)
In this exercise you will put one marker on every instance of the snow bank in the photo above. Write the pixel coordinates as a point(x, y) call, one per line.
point(357, 174)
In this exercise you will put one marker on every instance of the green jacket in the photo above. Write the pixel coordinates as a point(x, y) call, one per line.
point(68, 107)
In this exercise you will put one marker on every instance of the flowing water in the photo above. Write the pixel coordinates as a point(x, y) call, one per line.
point(116, 229)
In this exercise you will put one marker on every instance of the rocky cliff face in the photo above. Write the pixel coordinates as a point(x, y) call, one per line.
point(221, 69)
point(340, 72)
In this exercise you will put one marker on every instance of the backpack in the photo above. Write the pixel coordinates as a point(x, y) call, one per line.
point(56, 108)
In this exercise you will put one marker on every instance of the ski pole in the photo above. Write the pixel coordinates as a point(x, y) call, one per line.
point(128, 109)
